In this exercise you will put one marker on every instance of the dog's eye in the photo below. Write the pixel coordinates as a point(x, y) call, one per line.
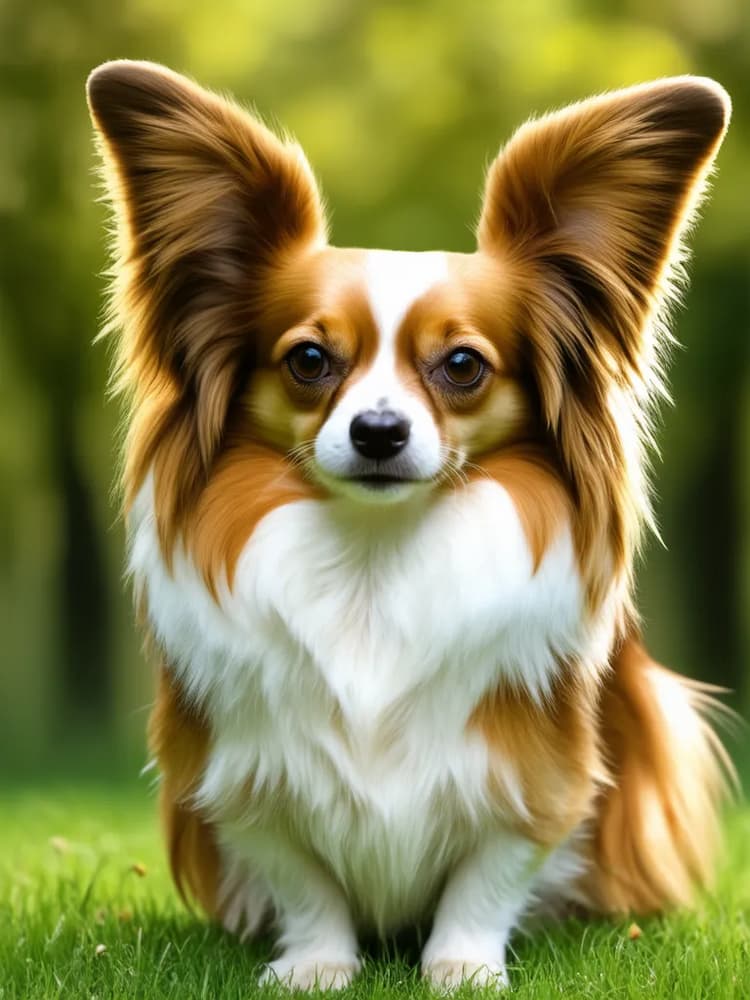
point(308, 362)
point(464, 367)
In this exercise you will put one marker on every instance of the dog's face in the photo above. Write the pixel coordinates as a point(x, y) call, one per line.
point(264, 364)
point(390, 370)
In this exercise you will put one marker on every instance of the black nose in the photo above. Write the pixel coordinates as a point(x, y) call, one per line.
point(379, 433)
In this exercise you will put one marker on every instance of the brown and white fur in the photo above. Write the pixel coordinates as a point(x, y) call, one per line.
point(405, 687)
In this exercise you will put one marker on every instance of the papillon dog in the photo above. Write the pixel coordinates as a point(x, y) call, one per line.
point(383, 510)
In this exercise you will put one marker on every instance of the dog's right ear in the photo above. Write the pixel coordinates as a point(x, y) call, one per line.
point(207, 200)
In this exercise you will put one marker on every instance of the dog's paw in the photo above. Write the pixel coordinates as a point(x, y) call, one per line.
point(448, 974)
point(308, 972)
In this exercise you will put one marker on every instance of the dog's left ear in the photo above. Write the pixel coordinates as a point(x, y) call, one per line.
point(589, 204)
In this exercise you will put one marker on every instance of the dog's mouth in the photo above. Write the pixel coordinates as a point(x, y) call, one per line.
point(376, 482)
point(382, 481)
point(385, 487)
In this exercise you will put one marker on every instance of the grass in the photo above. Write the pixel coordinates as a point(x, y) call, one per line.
point(87, 911)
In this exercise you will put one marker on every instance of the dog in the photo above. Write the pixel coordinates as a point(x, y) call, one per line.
point(383, 511)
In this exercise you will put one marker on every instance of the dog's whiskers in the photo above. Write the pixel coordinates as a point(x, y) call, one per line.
point(302, 455)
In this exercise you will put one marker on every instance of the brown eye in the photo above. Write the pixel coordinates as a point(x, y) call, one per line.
point(464, 367)
point(308, 362)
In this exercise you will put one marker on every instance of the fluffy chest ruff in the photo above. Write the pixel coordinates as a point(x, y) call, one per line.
point(345, 673)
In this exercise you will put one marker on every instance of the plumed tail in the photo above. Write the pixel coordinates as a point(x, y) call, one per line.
point(656, 831)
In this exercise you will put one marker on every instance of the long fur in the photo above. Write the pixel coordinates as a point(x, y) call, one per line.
point(262, 563)
point(656, 829)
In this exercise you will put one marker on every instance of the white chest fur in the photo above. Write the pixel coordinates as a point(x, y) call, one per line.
point(347, 660)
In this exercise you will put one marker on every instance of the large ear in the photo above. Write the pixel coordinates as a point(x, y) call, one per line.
point(592, 201)
point(207, 200)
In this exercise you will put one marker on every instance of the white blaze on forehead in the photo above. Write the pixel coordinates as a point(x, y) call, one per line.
point(395, 280)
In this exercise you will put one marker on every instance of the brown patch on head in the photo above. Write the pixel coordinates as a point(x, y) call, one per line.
point(179, 739)
point(468, 312)
point(549, 748)
point(283, 411)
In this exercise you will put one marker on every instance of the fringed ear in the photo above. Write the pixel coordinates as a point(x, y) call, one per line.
point(586, 208)
point(595, 199)
point(207, 202)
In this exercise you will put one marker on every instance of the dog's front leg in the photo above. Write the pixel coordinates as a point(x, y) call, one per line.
point(317, 941)
point(482, 902)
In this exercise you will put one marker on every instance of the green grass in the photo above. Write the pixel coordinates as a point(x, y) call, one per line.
point(71, 882)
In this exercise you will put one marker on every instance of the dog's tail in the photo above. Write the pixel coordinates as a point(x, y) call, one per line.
point(656, 829)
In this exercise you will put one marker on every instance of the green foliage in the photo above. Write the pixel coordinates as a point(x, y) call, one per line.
point(399, 106)
point(81, 868)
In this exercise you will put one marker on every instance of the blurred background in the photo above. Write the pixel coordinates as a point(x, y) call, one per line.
point(400, 106)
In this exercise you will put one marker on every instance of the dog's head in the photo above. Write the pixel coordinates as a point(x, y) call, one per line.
point(390, 370)
point(255, 351)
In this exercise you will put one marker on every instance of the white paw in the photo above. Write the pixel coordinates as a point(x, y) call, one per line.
point(448, 974)
point(307, 972)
